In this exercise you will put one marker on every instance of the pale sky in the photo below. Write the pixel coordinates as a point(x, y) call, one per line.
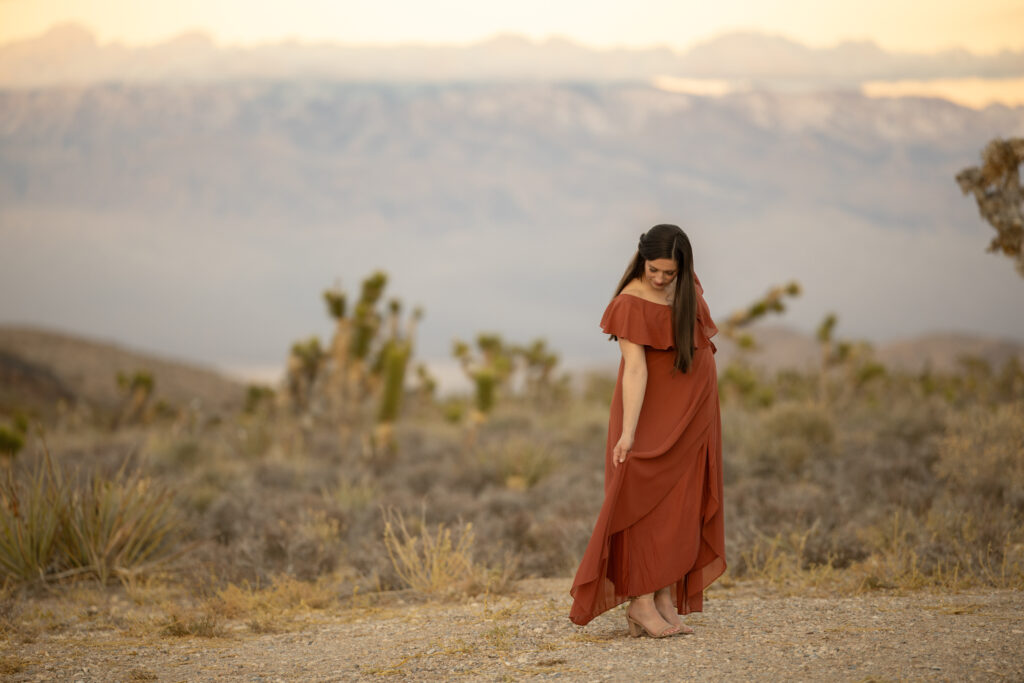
point(982, 26)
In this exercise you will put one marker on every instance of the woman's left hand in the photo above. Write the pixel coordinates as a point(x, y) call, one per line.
point(621, 449)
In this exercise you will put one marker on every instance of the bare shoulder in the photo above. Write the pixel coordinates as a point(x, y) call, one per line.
point(634, 287)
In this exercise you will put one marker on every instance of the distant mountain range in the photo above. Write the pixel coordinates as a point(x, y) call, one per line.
point(69, 54)
point(198, 200)
point(204, 220)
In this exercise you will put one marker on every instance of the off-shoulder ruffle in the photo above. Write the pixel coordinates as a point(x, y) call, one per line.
point(640, 321)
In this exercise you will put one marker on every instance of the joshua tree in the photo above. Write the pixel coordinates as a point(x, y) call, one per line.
point(487, 372)
point(771, 302)
point(361, 375)
point(855, 357)
point(304, 363)
point(997, 189)
point(739, 378)
point(538, 363)
point(138, 390)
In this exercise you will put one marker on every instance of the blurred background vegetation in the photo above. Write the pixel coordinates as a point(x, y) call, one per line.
point(355, 474)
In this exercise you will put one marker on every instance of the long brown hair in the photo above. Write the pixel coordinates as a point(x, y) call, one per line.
point(669, 241)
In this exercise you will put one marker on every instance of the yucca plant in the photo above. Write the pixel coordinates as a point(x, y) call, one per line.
point(119, 527)
point(30, 513)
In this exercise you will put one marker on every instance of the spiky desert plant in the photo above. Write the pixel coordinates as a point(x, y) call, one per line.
point(396, 356)
point(304, 362)
point(997, 189)
point(366, 322)
point(427, 383)
point(118, 527)
point(137, 389)
point(539, 362)
point(256, 397)
point(772, 302)
point(739, 378)
point(391, 369)
point(30, 517)
point(488, 369)
point(338, 353)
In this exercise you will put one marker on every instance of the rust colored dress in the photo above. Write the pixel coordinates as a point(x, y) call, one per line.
point(661, 522)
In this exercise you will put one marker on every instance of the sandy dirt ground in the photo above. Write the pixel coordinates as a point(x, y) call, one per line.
point(746, 632)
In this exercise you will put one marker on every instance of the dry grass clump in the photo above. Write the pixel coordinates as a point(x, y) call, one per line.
point(284, 594)
point(431, 563)
point(182, 622)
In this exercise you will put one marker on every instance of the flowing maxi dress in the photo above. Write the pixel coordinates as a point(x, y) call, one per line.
point(661, 522)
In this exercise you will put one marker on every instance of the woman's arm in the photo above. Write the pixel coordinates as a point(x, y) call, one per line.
point(634, 384)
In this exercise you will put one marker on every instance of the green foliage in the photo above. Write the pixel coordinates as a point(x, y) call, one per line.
point(826, 327)
point(11, 441)
point(366, 324)
point(309, 354)
point(396, 358)
point(362, 373)
point(741, 382)
point(773, 301)
point(427, 382)
point(336, 303)
point(256, 396)
point(485, 382)
point(140, 380)
point(453, 410)
point(492, 366)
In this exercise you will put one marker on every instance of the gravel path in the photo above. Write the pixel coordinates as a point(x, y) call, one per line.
point(746, 633)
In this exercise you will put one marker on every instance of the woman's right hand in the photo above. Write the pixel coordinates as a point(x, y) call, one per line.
point(621, 448)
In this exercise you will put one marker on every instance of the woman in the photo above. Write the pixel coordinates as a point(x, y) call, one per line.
point(659, 540)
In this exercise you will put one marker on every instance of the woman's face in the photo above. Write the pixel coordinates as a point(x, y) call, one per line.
point(660, 272)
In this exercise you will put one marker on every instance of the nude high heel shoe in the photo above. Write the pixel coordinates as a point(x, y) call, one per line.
point(636, 629)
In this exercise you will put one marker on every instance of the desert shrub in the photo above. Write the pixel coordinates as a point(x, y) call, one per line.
point(743, 384)
point(980, 458)
point(980, 507)
point(30, 520)
point(791, 435)
point(516, 463)
point(430, 562)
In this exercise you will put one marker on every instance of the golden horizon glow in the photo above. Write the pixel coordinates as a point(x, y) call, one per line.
point(983, 27)
point(976, 93)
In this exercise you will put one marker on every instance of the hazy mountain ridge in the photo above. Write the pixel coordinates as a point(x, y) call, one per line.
point(305, 150)
point(204, 219)
point(70, 54)
point(41, 367)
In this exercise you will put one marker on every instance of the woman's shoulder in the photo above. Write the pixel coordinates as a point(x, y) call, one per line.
point(634, 287)
point(630, 316)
